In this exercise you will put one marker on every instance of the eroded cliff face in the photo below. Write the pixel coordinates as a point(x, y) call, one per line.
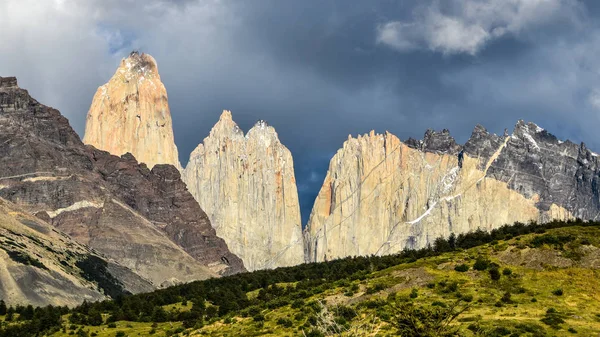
point(381, 195)
point(246, 185)
point(144, 219)
point(130, 114)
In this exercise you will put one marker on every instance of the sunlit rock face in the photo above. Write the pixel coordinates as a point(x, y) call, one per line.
point(130, 114)
point(246, 185)
point(381, 195)
point(144, 219)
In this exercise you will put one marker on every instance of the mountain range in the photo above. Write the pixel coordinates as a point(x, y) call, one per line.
point(121, 198)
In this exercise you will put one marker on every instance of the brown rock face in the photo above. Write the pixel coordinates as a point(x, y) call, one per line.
point(130, 114)
point(381, 196)
point(55, 276)
point(247, 187)
point(144, 219)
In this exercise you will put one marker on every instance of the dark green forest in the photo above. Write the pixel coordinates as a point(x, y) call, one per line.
point(219, 297)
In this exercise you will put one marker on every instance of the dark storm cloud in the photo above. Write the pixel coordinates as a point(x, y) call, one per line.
point(320, 70)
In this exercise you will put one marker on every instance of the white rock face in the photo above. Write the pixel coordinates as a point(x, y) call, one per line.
point(131, 114)
point(246, 186)
point(381, 196)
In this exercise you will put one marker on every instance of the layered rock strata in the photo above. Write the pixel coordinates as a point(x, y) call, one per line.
point(246, 185)
point(381, 195)
point(144, 219)
point(42, 266)
point(130, 114)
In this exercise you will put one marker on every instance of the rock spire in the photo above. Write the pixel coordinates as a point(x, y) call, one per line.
point(130, 114)
point(246, 185)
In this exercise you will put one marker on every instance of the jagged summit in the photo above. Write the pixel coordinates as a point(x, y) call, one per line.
point(8, 82)
point(433, 141)
point(246, 185)
point(226, 115)
point(381, 195)
point(139, 65)
point(261, 123)
point(131, 113)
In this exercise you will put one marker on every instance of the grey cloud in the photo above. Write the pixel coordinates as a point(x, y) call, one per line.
point(315, 70)
point(466, 26)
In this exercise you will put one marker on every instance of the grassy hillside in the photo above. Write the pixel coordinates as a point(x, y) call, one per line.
point(541, 283)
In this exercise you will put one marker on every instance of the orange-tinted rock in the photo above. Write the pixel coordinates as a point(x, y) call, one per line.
point(130, 114)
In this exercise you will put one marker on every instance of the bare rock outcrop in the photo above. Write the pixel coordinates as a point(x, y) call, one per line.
point(130, 114)
point(381, 195)
point(246, 185)
point(144, 219)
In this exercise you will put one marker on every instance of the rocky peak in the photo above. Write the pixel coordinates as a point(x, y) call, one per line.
point(226, 116)
point(131, 113)
point(247, 187)
point(263, 134)
point(440, 142)
point(139, 64)
point(437, 142)
point(146, 220)
point(482, 144)
point(226, 128)
point(8, 82)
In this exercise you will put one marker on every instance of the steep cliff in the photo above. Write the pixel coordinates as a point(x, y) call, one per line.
point(247, 187)
point(144, 219)
point(381, 195)
point(130, 114)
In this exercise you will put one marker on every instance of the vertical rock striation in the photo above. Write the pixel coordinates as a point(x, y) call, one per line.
point(130, 114)
point(381, 195)
point(247, 187)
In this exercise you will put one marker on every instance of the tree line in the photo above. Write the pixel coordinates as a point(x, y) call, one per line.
point(218, 297)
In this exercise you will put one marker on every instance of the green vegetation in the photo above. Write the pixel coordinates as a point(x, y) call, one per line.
point(24, 258)
point(95, 270)
point(520, 280)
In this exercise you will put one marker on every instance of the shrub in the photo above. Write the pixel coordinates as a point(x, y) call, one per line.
point(506, 271)
point(112, 325)
point(285, 322)
point(552, 240)
point(461, 268)
point(347, 313)
point(558, 292)
point(494, 274)
point(120, 334)
point(258, 318)
point(449, 287)
point(314, 333)
point(506, 298)
point(467, 298)
point(414, 293)
point(375, 288)
point(481, 264)
point(553, 320)
point(411, 320)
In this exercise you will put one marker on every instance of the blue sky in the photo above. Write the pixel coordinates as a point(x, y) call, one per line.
point(320, 70)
